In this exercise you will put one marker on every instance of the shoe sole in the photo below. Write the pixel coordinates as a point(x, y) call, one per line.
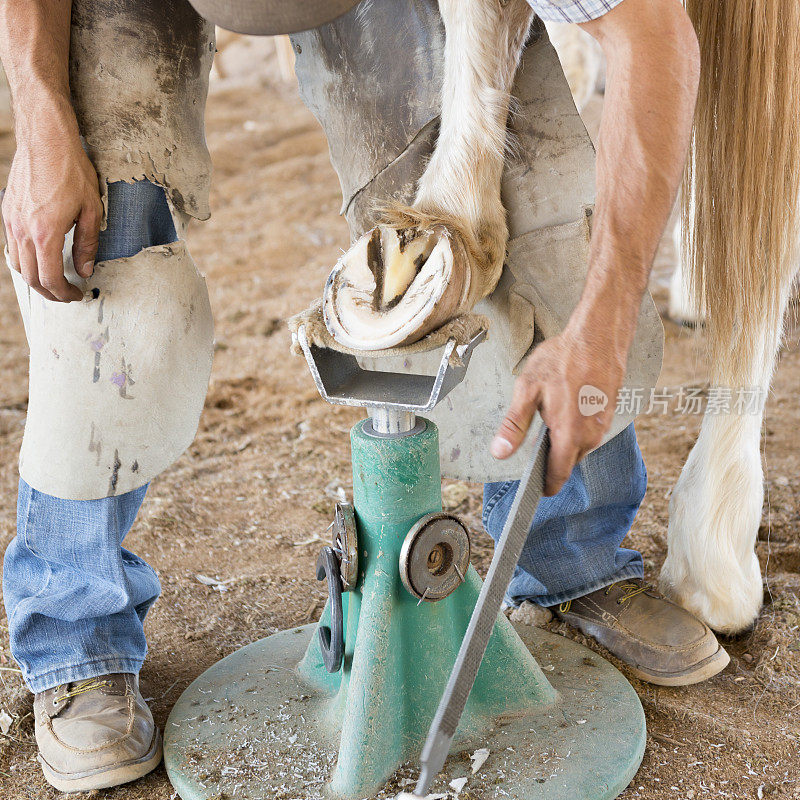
point(107, 777)
point(699, 672)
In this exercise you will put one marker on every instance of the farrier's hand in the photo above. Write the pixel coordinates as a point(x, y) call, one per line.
point(52, 186)
point(551, 383)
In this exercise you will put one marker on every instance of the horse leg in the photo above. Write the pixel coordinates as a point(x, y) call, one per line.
point(429, 262)
point(715, 508)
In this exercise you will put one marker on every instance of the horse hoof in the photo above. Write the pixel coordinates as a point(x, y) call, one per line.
point(395, 285)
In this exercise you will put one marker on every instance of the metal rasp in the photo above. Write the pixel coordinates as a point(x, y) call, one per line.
point(484, 615)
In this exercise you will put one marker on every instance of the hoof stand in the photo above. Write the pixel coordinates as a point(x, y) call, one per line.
point(271, 721)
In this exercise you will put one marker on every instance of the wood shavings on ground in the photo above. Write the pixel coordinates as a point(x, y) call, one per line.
point(455, 494)
point(220, 586)
point(5, 721)
point(336, 492)
point(530, 614)
point(478, 759)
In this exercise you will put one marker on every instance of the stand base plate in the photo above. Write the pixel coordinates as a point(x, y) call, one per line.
point(251, 728)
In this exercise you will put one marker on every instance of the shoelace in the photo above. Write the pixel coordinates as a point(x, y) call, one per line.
point(91, 685)
point(630, 589)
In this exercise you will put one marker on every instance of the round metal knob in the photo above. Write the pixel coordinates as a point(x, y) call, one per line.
point(435, 556)
point(345, 543)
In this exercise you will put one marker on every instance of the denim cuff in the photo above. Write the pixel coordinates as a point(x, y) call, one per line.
point(81, 672)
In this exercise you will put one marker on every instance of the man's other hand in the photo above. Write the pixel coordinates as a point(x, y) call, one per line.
point(572, 380)
point(52, 186)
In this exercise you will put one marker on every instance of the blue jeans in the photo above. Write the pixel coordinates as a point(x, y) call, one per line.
point(573, 547)
point(75, 598)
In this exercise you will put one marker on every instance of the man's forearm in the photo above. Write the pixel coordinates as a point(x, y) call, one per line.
point(34, 42)
point(651, 88)
point(52, 186)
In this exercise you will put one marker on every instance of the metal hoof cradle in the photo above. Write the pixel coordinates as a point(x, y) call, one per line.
point(284, 718)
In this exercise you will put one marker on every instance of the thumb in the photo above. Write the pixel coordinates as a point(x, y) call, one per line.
point(86, 240)
point(512, 431)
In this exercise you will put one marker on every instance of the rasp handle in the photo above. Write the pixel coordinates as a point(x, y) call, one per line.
point(481, 624)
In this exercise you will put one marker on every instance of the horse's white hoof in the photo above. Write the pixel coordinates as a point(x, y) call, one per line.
point(730, 611)
point(394, 286)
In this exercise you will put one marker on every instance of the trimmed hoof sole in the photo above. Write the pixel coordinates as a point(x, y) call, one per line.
point(392, 287)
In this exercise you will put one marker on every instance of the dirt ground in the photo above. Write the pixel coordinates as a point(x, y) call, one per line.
point(249, 501)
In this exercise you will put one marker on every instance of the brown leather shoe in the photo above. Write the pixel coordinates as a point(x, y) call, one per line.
point(95, 733)
point(662, 642)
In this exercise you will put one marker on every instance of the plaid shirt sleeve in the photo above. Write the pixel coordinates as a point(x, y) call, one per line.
point(571, 10)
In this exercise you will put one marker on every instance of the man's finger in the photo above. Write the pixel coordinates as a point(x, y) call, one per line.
point(561, 460)
point(512, 431)
point(6, 228)
point(29, 267)
point(86, 240)
point(49, 254)
point(11, 245)
point(13, 250)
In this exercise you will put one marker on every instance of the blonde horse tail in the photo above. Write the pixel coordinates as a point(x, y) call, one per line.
point(742, 185)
